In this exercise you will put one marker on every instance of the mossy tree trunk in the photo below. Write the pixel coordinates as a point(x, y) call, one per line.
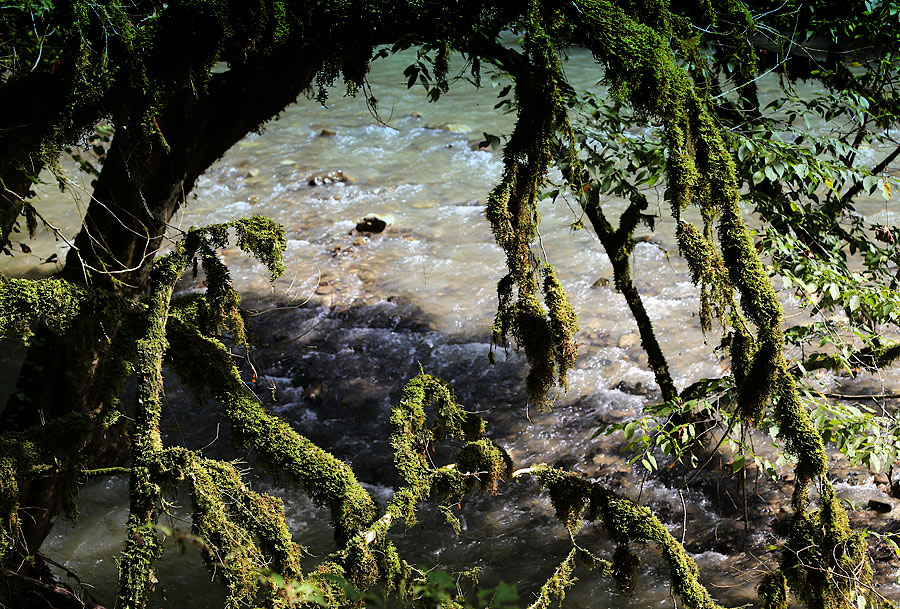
point(141, 186)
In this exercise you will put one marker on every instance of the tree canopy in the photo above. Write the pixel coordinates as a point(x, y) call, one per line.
point(162, 90)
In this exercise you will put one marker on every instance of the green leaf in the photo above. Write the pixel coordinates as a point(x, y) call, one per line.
point(874, 463)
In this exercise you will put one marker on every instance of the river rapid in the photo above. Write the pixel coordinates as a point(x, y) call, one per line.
point(356, 315)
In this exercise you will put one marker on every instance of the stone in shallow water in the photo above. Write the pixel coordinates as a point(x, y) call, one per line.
point(329, 177)
point(374, 223)
point(882, 507)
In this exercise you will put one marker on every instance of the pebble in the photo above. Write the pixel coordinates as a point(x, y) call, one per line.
point(252, 173)
point(327, 133)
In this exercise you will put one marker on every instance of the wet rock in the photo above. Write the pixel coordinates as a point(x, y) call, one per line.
point(629, 340)
point(637, 388)
point(415, 115)
point(374, 223)
point(330, 177)
point(359, 241)
point(882, 507)
point(287, 162)
point(252, 173)
point(602, 282)
point(451, 127)
point(327, 133)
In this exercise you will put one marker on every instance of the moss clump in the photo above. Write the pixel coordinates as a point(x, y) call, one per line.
point(772, 591)
point(569, 493)
point(486, 461)
point(563, 324)
point(264, 239)
point(824, 562)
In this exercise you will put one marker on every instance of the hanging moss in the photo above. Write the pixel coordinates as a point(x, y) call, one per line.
point(512, 212)
point(569, 493)
point(563, 324)
point(772, 591)
point(41, 451)
point(624, 569)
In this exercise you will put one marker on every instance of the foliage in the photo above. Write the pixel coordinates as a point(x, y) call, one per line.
point(681, 112)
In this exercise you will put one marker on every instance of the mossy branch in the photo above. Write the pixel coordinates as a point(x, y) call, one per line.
point(624, 521)
point(327, 480)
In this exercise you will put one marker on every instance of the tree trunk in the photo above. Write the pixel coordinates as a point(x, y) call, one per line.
point(146, 177)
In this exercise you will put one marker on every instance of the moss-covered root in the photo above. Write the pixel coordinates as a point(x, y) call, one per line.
point(326, 479)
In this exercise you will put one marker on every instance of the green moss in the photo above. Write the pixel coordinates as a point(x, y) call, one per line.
point(825, 563)
point(53, 304)
point(626, 521)
point(563, 324)
point(569, 493)
point(555, 587)
point(772, 591)
point(264, 239)
point(327, 480)
point(486, 462)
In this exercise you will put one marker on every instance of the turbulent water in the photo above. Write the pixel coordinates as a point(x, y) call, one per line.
point(355, 316)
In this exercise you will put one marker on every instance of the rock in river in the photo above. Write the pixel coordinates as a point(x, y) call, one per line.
point(329, 177)
point(374, 223)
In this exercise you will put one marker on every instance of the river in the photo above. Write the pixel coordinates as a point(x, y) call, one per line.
point(355, 316)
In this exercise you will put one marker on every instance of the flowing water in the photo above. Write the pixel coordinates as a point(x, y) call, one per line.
point(357, 315)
